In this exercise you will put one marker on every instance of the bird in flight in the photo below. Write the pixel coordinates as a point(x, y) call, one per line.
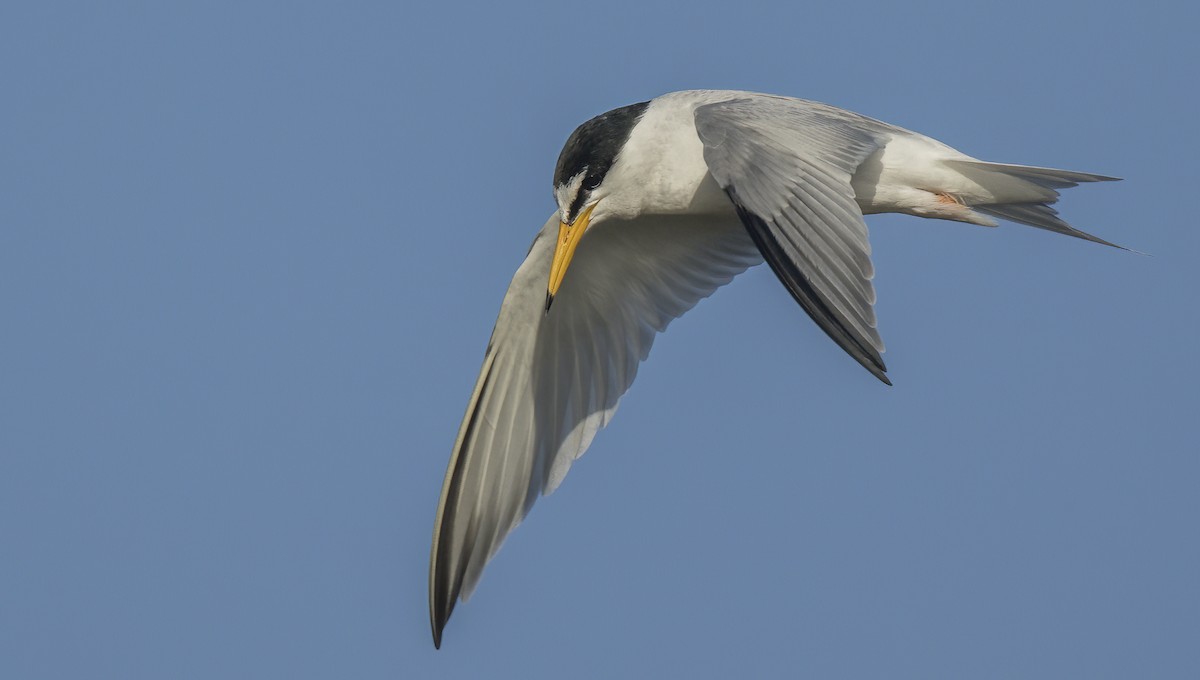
point(659, 204)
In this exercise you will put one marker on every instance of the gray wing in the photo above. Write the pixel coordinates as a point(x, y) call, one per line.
point(551, 380)
point(787, 164)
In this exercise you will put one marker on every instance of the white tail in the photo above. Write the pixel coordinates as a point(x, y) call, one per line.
point(1025, 193)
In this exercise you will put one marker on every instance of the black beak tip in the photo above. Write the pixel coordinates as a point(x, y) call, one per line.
point(549, 301)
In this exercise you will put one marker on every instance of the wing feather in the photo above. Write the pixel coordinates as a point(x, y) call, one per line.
point(787, 164)
point(550, 381)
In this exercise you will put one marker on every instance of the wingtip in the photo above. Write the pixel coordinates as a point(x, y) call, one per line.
point(873, 363)
point(440, 608)
point(877, 369)
point(437, 624)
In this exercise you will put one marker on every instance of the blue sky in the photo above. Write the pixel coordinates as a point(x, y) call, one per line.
point(250, 255)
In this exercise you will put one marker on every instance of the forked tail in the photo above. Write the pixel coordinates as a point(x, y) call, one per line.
point(1024, 193)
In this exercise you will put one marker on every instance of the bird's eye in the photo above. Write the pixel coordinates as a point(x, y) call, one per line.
point(591, 182)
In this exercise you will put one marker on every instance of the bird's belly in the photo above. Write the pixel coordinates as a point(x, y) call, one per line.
point(908, 175)
point(709, 199)
point(686, 193)
point(890, 198)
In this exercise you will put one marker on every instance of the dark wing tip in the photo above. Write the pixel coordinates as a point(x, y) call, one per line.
point(447, 565)
point(808, 296)
point(870, 361)
point(444, 589)
point(441, 605)
point(439, 613)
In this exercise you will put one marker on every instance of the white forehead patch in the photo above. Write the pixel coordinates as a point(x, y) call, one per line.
point(565, 193)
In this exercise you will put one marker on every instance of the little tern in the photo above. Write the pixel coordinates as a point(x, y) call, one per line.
point(659, 204)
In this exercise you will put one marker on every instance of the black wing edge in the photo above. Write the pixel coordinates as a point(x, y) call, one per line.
point(444, 586)
point(804, 293)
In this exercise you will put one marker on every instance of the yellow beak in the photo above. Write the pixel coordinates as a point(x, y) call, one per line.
point(568, 240)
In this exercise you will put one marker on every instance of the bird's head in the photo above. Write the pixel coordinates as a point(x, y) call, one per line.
point(579, 189)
